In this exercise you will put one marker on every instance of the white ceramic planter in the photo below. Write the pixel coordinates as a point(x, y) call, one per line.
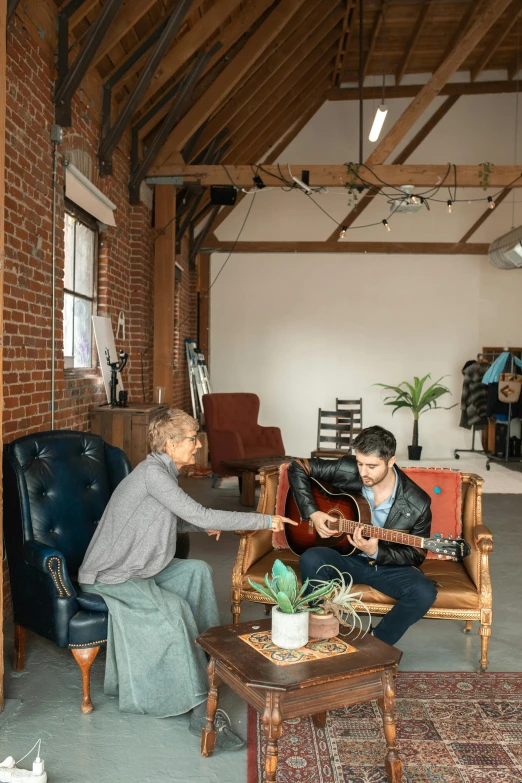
point(289, 631)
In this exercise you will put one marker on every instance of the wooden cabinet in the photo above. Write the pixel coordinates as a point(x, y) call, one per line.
point(127, 428)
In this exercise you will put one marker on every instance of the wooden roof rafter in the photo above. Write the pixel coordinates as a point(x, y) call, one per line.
point(344, 38)
point(253, 91)
point(412, 43)
point(491, 46)
point(374, 35)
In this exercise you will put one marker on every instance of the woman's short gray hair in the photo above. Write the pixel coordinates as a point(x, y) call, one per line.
point(170, 425)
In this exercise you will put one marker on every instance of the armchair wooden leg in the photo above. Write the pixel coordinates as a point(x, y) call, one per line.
point(19, 648)
point(467, 628)
point(84, 657)
point(236, 612)
point(485, 633)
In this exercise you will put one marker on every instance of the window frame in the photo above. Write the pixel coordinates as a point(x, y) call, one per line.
point(83, 217)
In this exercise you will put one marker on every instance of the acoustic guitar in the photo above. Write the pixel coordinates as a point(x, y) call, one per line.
point(351, 512)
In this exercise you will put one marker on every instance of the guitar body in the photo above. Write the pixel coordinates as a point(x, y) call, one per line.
point(333, 502)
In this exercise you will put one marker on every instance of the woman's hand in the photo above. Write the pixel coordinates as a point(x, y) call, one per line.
point(278, 523)
point(216, 533)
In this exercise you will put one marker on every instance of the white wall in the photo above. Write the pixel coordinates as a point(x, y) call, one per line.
point(300, 330)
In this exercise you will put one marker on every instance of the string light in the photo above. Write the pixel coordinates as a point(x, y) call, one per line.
point(386, 225)
point(491, 203)
point(449, 202)
point(343, 232)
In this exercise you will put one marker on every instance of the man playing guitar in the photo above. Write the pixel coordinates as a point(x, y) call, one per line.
point(397, 503)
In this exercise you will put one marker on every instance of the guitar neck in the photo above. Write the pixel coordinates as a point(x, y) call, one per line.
point(369, 531)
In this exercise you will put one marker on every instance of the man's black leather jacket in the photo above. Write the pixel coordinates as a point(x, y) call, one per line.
point(410, 511)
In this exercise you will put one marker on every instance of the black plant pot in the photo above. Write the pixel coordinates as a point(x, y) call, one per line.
point(414, 452)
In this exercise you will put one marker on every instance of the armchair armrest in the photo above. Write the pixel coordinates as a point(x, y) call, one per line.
point(271, 436)
point(482, 538)
point(50, 562)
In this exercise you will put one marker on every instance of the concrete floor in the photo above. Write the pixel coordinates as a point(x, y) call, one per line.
point(111, 746)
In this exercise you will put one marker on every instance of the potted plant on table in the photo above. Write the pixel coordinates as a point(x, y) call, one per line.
point(290, 614)
point(419, 400)
point(336, 609)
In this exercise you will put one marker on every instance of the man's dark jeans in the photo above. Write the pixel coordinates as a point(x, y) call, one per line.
point(415, 593)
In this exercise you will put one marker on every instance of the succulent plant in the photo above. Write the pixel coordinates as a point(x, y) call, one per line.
point(283, 590)
point(340, 600)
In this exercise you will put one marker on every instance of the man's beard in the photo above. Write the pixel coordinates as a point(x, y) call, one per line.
point(371, 482)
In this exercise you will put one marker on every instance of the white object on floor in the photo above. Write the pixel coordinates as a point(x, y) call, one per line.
point(497, 480)
point(9, 771)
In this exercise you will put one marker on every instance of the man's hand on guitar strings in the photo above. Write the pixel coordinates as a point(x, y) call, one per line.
point(319, 520)
point(367, 545)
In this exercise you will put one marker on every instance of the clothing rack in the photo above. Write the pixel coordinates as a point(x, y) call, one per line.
point(506, 457)
point(457, 452)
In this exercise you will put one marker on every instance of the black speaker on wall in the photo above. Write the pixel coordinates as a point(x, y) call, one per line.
point(223, 195)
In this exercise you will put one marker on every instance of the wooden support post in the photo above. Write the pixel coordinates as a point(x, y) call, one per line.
point(164, 282)
point(204, 304)
point(3, 24)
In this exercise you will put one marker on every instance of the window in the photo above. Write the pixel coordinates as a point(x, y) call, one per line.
point(79, 291)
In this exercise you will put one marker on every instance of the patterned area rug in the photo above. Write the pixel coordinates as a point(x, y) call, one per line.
point(451, 728)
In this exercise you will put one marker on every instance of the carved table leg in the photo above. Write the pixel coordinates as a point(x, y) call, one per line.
point(19, 648)
point(84, 657)
point(208, 733)
point(387, 704)
point(248, 488)
point(272, 721)
point(319, 719)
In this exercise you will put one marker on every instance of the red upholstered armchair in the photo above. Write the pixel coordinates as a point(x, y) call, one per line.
point(233, 431)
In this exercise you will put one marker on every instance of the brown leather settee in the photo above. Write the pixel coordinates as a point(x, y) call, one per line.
point(465, 587)
point(233, 431)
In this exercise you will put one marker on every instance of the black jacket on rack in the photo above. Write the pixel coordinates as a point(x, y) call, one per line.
point(474, 398)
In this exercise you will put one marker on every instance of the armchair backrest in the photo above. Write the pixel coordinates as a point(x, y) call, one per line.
point(237, 411)
point(56, 487)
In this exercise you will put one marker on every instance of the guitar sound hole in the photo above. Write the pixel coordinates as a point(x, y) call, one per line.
point(335, 525)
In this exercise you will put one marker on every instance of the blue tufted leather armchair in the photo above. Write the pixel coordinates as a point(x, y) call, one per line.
point(56, 487)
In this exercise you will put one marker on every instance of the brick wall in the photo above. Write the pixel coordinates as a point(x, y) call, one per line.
point(126, 262)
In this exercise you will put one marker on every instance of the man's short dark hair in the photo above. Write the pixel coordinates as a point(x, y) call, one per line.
point(376, 440)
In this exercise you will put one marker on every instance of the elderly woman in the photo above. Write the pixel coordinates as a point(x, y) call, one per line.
point(158, 604)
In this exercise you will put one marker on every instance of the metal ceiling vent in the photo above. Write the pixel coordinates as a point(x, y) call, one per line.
point(506, 251)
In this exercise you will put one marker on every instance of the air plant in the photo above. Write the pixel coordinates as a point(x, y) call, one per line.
point(283, 590)
point(339, 601)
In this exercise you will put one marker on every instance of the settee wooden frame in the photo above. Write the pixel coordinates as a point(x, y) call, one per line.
point(257, 544)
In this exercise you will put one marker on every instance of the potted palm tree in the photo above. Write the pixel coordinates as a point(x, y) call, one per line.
point(419, 400)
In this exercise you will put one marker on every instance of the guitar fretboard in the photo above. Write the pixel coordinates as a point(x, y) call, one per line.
point(369, 531)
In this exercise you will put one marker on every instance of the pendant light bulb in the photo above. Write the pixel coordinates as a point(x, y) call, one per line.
point(386, 225)
point(343, 232)
point(450, 202)
point(378, 122)
point(491, 203)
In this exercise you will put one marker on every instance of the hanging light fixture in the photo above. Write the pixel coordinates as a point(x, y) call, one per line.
point(382, 109)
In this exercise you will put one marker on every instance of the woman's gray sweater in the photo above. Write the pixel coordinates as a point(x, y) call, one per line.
point(136, 536)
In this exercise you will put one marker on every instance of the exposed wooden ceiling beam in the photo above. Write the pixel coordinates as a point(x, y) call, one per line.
point(344, 38)
point(491, 47)
point(337, 176)
point(374, 35)
point(232, 75)
point(273, 108)
point(412, 43)
point(213, 245)
point(412, 90)
point(484, 20)
point(468, 17)
point(485, 215)
point(260, 86)
point(293, 124)
point(403, 156)
point(130, 13)
point(314, 81)
point(81, 12)
point(194, 39)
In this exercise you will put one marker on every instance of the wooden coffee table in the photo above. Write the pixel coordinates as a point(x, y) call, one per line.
point(247, 469)
point(311, 688)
